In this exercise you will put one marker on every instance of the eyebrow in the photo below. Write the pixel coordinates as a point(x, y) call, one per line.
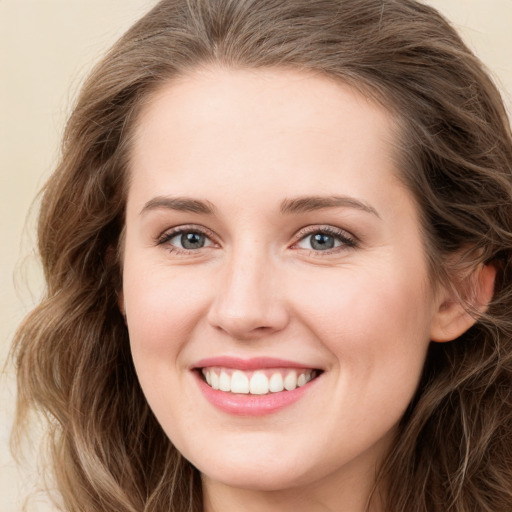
point(288, 206)
point(183, 204)
point(312, 203)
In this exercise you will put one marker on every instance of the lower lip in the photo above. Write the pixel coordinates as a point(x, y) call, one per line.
point(252, 405)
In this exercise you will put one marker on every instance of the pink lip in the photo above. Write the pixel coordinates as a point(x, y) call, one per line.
point(250, 405)
point(255, 363)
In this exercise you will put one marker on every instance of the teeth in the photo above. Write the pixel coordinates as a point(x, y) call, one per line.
point(276, 383)
point(290, 381)
point(224, 382)
point(215, 380)
point(239, 382)
point(260, 382)
point(304, 378)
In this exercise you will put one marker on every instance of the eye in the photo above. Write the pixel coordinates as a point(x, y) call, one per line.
point(325, 239)
point(185, 239)
point(189, 240)
point(319, 242)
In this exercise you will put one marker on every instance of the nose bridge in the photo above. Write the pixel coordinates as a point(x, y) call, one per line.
point(248, 301)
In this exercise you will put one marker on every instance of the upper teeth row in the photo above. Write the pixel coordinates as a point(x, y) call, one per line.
point(258, 383)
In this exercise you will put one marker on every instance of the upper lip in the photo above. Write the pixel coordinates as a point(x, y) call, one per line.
point(254, 363)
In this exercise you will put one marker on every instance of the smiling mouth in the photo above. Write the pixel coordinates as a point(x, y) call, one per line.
point(258, 382)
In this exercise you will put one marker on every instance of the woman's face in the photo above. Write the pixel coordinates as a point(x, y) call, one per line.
point(269, 242)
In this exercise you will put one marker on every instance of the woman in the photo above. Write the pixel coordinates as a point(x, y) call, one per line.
point(277, 250)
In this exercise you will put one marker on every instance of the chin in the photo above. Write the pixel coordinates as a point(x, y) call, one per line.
point(260, 480)
point(271, 475)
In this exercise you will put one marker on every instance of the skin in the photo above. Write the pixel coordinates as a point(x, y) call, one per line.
point(244, 142)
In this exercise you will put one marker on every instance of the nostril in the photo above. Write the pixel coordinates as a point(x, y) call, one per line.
point(263, 328)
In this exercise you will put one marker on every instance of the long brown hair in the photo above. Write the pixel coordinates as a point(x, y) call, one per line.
point(453, 450)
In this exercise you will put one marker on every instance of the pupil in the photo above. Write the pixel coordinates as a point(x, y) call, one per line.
point(322, 242)
point(192, 240)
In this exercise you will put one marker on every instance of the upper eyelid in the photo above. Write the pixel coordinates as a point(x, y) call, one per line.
point(319, 228)
point(188, 227)
point(169, 233)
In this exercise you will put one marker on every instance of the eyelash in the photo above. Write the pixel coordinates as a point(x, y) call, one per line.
point(347, 241)
point(166, 237)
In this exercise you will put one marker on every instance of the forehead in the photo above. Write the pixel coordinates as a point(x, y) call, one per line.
point(217, 129)
point(280, 99)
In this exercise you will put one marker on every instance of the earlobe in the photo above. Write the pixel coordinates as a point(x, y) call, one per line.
point(452, 318)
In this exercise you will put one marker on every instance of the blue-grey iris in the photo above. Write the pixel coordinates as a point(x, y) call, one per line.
point(322, 242)
point(192, 240)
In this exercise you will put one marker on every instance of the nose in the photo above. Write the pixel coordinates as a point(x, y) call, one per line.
point(249, 303)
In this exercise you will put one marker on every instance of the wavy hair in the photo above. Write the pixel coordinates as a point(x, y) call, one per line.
point(453, 449)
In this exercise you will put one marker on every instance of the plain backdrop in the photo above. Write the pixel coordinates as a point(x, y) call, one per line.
point(47, 47)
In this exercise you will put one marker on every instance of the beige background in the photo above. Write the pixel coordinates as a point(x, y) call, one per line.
point(46, 48)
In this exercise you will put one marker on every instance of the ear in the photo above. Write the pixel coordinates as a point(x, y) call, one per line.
point(451, 318)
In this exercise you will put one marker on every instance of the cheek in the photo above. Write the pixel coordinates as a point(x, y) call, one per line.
point(348, 300)
point(163, 307)
point(376, 324)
